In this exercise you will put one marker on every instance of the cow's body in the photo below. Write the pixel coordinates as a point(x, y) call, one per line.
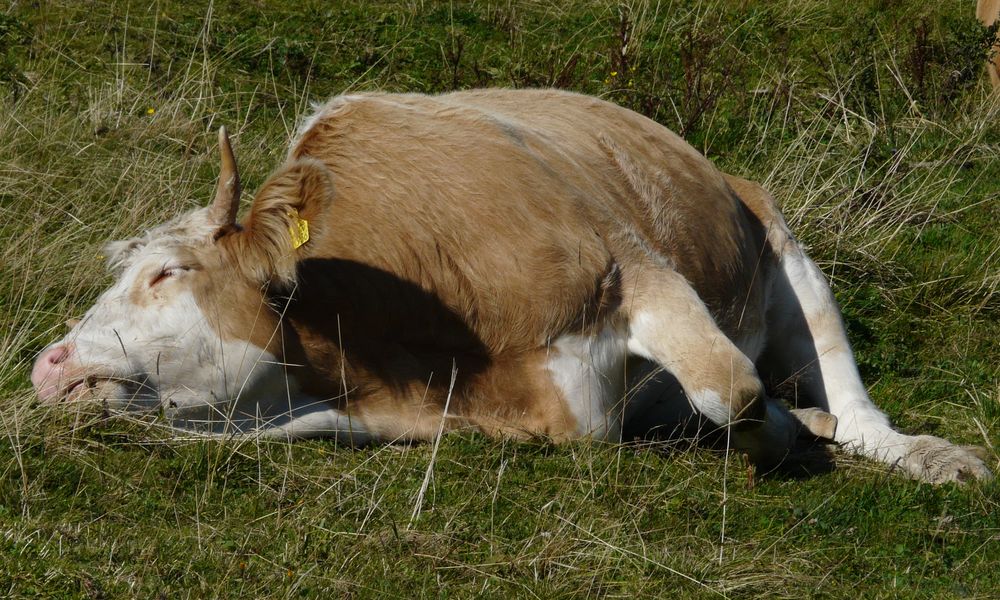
point(557, 228)
point(531, 241)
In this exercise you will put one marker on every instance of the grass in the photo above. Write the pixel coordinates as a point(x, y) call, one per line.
point(870, 121)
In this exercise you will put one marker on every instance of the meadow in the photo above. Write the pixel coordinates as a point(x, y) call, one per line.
point(871, 122)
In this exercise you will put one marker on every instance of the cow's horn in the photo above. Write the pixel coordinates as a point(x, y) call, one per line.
point(227, 195)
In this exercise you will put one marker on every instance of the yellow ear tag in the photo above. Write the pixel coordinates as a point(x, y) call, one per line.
point(298, 229)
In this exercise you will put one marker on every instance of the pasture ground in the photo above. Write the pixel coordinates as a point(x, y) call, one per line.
point(871, 121)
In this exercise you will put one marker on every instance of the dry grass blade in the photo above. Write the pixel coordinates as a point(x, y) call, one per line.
point(418, 504)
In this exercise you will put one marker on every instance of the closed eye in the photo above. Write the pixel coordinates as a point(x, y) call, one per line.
point(167, 272)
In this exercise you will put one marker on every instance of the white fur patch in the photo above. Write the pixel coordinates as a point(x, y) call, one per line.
point(709, 403)
point(590, 372)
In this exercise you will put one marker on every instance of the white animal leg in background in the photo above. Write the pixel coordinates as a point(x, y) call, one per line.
point(317, 420)
point(307, 418)
point(807, 342)
point(670, 325)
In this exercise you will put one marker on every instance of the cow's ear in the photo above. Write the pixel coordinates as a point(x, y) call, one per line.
point(222, 211)
point(282, 227)
point(118, 252)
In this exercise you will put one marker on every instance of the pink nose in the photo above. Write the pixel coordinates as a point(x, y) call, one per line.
point(48, 373)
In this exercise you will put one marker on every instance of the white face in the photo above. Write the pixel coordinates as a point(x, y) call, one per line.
point(148, 344)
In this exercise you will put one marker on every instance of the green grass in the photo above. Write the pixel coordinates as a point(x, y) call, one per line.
point(870, 121)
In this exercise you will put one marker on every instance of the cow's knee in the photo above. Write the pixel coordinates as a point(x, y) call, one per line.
point(670, 325)
point(729, 393)
point(745, 404)
point(748, 407)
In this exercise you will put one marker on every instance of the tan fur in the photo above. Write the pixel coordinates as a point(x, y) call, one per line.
point(538, 216)
point(692, 347)
point(265, 252)
point(987, 12)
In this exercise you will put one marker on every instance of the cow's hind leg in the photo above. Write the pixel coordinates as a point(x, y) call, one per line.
point(807, 344)
point(670, 325)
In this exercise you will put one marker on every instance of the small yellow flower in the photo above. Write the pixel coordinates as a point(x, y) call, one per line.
point(614, 73)
point(150, 110)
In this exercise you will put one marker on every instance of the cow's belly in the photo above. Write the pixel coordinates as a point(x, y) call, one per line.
point(589, 372)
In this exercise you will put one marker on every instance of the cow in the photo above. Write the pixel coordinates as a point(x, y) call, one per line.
point(987, 12)
point(494, 260)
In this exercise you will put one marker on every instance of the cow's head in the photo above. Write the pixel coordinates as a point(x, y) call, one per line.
point(188, 327)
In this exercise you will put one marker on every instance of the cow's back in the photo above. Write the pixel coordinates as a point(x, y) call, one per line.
point(495, 200)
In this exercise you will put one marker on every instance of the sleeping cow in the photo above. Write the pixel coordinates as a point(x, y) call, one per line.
point(489, 259)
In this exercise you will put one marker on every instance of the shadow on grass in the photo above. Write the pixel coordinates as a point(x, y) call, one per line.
point(659, 415)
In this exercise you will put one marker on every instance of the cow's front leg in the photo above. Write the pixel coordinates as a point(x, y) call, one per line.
point(670, 325)
point(316, 419)
point(294, 417)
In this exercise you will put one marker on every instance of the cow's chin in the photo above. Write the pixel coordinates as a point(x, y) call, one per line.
point(114, 394)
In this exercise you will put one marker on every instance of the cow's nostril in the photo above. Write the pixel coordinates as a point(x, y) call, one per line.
point(48, 375)
point(58, 355)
